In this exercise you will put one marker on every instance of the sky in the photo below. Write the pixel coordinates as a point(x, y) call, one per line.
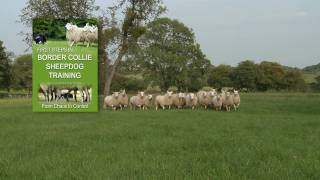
point(229, 31)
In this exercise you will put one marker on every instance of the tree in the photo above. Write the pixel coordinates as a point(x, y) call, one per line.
point(293, 81)
point(220, 76)
point(22, 72)
point(170, 54)
point(270, 76)
point(135, 14)
point(245, 75)
point(5, 68)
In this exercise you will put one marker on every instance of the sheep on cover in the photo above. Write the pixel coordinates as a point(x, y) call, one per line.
point(163, 101)
point(77, 34)
point(191, 100)
point(90, 34)
point(112, 101)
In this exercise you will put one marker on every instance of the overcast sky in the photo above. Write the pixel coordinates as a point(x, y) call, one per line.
point(229, 31)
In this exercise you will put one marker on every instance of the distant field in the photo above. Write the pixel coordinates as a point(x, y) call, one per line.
point(310, 77)
point(273, 136)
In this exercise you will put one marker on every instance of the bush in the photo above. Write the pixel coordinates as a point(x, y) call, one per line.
point(131, 84)
point(173, 89)
point(207, 88)
point(153, 89)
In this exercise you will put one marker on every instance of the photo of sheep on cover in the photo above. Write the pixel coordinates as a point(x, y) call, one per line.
point(65, 33)
point(64, 93)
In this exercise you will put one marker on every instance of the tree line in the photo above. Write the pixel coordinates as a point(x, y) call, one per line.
point(141, 49)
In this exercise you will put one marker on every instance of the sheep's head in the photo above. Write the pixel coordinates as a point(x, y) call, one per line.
point(115, 94)
point(191, 95)
point(150, 96)
point(69, 26)
point(236, 92)
point(212, 93)
point(123, 93)
point(228, 94)
point(169, 93)
point(181, 95)
point(141, 94)
point(219, 97)
point(204, 94)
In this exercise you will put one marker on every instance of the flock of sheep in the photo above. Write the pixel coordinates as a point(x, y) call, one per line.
point(75, 34)
point(206, 99)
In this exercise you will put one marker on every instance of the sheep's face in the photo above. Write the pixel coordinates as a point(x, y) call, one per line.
point(236, 92)
point(205, 94)
point(191, 96)
point(69, 26)
point(219, 97)
point(181, 95)
point(141, 94)
point(228, 94)
point(123, 93)
point(212, 93)
point(150, 97)
point(169, 93)
point(116, 94)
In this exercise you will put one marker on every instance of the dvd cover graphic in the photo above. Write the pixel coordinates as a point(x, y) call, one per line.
point(65, 65)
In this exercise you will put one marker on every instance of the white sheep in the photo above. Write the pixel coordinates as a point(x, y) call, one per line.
point(137, 101)
point(205, 99)
point(164, 101)
point(179, 100)
point(217, 102)
point(74, 34)
point(147, 101)
point(191, 100)
point(124, 100)
point(90, 34)
point(227, 102)
point(236, 99)
point(112, 101)
point(77, 34)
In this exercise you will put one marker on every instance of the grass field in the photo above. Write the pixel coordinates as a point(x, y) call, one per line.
point(273, 136)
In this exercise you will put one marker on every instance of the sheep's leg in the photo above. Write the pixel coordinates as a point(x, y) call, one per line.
point(71, 43)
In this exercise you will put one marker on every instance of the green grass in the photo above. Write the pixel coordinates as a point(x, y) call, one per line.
point(273, 136)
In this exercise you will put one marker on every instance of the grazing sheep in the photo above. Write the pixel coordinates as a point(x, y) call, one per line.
point(217, 102)
point(179, 100)
point(227, 102)
point(236, 99)
point(137, 101)
point(147, 101)
point(164, 101)
point(191, 100)
point(124, 100)
point(112, 101)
